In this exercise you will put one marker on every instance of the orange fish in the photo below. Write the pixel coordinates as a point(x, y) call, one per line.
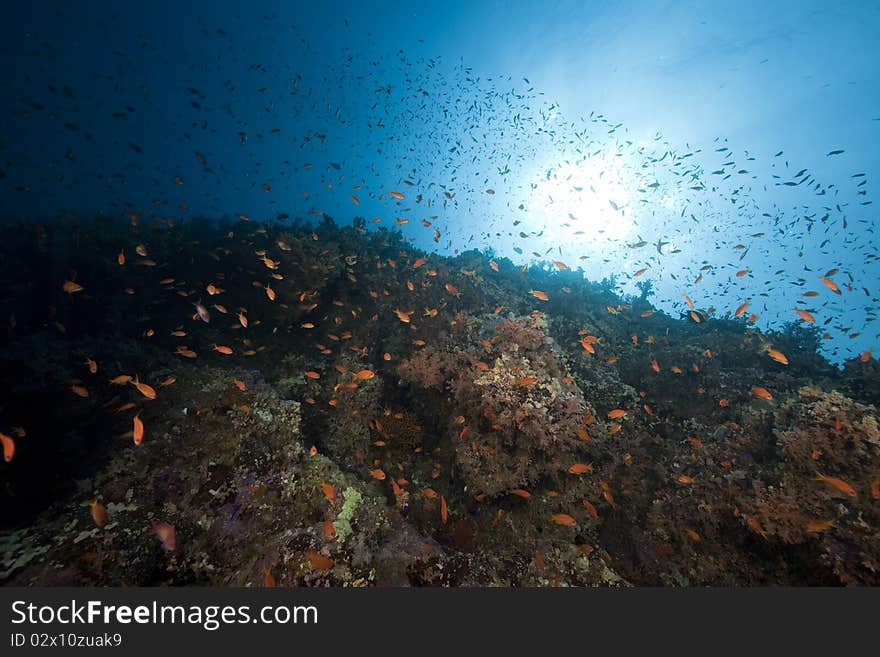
point(223, 349)
point(396, 195)
point(80, 391)
point(778, 356)
point(268, 578)
point(329, 529)
point(144, 389)
point(831, 285)
point(689, 302)
point(755, 526)
point(402, 316)
point(741, 309)
point(865, 356)
point(616, 413)
point(270, 293)
point(763, 393)
point(563, 519)
point(526, 380)
point(312, 374)
point(418, 263)
point(684, 479)
point(539, 561)
point(804, 315)
point(137, 430)
point(430, 493)
point(92, 365)
point(493, 265)
point(694, 536)
point(99, 512)
point(240, 384)
point(8, 447)
point(606, 493)
point(591, 509)
point(452, 289)
point(580, 468)
point(319, 561)
point(165, 533)
point(70, 287)
point(837, 484)
point(364, 375)
point(329, 493)
point(444, 510)
point(818, 526)
point(378, 474)
point(541, 296)
point(655, 365)
point(520, 492)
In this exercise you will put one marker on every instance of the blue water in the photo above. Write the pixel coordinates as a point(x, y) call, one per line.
point(598, 126)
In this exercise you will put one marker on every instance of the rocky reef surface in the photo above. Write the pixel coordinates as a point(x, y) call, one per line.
point(357, 413)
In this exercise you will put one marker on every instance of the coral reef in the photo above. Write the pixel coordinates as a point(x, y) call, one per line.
point(514, 414)
point(357, 412)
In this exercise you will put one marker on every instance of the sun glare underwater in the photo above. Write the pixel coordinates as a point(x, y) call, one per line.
point(464, 294)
